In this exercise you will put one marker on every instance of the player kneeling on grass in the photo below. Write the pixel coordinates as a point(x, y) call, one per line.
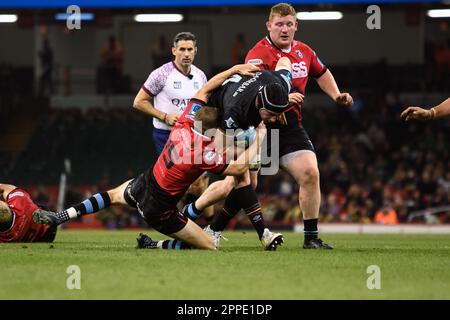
point(188, 152)
point(16, 218)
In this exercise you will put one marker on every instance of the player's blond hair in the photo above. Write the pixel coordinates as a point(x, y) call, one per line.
point(283, 9)
point(5, 212)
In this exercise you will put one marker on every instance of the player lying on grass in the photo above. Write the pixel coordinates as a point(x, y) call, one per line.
point(156, 192)
point(418, 113)
point(16, 218)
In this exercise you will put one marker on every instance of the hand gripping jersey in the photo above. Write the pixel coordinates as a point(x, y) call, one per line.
point(186, 155)
point(305, 63)
point(172, 89)
point(24, 229)
point(236, 97)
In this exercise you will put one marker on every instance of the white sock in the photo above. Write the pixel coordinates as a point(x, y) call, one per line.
point(72, 213)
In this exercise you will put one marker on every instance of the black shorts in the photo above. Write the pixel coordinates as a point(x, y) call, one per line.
point(157, 207)
point(288, 139)
point(294, 139)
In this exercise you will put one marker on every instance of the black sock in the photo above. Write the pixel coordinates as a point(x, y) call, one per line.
point(192, 212)
point(95, 203)
point(250, 204)
point(230, 209)
point(175, 245)
point(190, 198)
point(310, 230)
point(209, 219)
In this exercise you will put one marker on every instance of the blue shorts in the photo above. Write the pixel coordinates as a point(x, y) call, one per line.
point(159, 139)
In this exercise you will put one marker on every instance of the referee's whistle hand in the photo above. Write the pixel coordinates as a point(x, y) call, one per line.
point(171, 119)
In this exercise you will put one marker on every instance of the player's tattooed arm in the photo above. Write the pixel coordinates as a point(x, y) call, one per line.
point(242, 69)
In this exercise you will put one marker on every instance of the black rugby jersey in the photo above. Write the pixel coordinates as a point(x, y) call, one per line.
point(236, 97)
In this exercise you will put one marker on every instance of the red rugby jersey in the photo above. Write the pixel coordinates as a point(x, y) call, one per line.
point(24, 229)
point(305, 63)
point(186, 155)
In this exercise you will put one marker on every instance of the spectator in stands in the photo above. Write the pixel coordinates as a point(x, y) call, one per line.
point(41, 197)
point(238, 50)
point(441, 58)
point(294, 214)
point(444, 182)
point(386, 215)
point(112, 56)
point(160, 52)
point(46, 65)
point(333, 206)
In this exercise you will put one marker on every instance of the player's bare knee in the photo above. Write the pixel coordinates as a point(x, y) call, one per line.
point(230, 183)
point(243, 180)
point(116, 195)
point(309, 175)
point(112, 195)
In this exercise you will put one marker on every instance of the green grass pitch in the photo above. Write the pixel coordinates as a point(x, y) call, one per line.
point(411, 266)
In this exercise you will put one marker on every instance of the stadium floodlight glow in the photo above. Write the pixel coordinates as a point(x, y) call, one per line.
point(84, 16)
point(8, 18)
point(163, 17)
point(439, 13)
point(320, 15)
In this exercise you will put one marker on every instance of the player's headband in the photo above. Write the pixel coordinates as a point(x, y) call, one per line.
point(274, 97)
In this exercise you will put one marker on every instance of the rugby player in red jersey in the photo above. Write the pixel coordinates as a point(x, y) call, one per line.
point(16, 218)
point(155, 193)
point(296, 151)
